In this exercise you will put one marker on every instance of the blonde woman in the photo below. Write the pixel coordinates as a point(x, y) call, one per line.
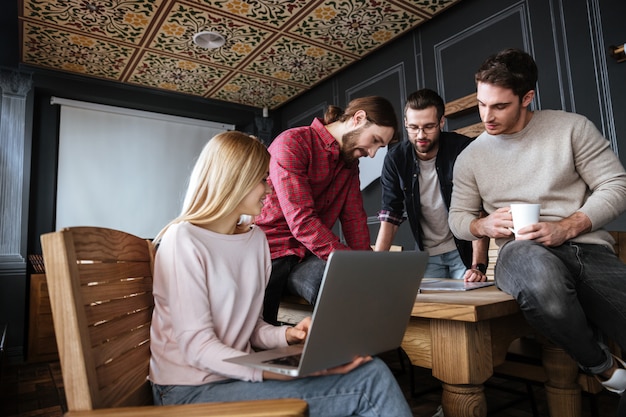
point(210, 274)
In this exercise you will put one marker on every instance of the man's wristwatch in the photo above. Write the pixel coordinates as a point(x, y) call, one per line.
point(480, 267)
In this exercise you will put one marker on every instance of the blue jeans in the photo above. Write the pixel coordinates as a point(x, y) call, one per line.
point(446, 265)
point(568, 293)
point(290, 275)
point(369, 390)
point(305, 278)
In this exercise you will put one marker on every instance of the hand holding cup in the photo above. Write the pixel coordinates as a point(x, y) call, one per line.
point(524, 215)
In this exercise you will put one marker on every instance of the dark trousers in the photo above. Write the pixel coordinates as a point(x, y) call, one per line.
point(292, 276)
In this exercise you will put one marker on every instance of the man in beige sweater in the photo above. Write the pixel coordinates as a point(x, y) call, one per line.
point(562, 270)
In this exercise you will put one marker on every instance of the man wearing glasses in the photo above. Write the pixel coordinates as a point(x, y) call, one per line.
point(417, 179)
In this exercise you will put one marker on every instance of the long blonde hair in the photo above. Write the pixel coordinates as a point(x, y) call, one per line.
point(230, 165)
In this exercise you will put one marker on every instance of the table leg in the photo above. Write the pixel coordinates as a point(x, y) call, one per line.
point(463, 400)
point(462, 361)
point(562, 388)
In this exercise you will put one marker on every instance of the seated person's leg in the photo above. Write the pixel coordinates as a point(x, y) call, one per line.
point(369, 389)
point(602, 291)
point(281, 267)
point(542, 281)
point(306, 277)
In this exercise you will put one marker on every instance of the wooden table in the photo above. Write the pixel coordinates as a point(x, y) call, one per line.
point(462, 336)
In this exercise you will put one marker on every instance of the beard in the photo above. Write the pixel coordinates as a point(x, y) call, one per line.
point(348, 146)
point(433, 143)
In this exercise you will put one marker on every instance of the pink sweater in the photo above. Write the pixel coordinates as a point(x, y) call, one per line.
point(208, 295)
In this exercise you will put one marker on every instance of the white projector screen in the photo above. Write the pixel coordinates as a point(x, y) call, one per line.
point(125, 169)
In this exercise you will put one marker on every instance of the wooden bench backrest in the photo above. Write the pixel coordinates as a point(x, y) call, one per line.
point(100, 285)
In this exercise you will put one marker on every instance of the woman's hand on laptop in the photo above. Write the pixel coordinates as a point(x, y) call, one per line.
point(297, 334)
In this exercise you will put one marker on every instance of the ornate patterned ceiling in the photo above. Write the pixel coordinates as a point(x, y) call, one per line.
point(274, 50)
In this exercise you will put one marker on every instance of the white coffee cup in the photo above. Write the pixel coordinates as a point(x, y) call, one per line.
point(524, 215)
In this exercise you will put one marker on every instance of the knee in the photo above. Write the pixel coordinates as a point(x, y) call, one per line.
point(526, 259)
point(519, 250)
point(377, 370)
point(526, 265)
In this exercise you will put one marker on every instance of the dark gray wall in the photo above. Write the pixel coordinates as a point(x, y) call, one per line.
point(568, 39)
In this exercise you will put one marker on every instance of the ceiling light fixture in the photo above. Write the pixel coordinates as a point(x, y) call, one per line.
point(208, 40)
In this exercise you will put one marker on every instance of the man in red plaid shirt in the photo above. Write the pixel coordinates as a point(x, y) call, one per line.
point(314, 175)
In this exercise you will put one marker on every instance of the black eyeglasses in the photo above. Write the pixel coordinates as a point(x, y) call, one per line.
point(428, 129)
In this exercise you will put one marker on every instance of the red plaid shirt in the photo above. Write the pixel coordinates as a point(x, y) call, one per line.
point(312, 189)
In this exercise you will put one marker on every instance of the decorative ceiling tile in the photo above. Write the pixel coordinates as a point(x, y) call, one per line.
point(71, 52)
point(258, 92)
point(174, 74)
point(356, 26)
point(274, 49)
point(291, 60)
point(124, 20)
point(433, 7)
point(176, 35)
point(265, 12)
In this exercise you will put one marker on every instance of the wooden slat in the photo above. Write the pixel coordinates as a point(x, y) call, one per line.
point(130, 391)
point(461, 106)
point(120, 345)
point(493, 259)
point(113, 290)
point(288, 407)
point(101, 244)
point(69, 320)
point(105, 331)
point(472, 131)
point(115, 372)
point(117, 308)
point(102, 272)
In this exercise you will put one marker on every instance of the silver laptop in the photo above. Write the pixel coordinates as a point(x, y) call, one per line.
point(363, 308)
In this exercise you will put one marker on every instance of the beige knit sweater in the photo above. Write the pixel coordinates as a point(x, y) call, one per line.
point(559, 160)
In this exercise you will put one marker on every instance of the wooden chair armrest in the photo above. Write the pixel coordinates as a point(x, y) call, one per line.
point(286, 407)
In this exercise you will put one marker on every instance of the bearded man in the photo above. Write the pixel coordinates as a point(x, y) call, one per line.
point(417, 184)
point(314, 177)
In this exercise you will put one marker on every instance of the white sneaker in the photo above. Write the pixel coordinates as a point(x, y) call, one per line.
point(617, 382)
point(439, 412)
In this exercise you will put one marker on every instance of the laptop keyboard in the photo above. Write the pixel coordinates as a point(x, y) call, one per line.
point(291, 360)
